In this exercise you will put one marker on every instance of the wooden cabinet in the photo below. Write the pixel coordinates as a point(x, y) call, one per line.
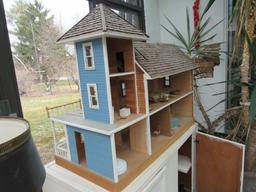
point(212, 159)
point(160, 176)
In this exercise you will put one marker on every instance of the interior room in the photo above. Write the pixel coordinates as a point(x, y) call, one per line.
point(131, 146)
point(120, 56)
point(166, 90)
point(160, 128)
point(123, 95)
point(182, 113)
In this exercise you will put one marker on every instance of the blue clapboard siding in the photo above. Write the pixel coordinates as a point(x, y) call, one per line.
point(94, 76)
point(72, 144)
point(99, 154)
point(98, 151)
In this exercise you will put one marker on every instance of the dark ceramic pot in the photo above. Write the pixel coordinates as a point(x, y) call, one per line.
point(21, 169)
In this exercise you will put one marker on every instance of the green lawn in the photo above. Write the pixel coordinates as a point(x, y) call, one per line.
point(34, 111)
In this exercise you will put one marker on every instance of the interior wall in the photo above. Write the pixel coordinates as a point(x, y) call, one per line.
point(129, 99)
point(155, 12)
point(140, 90)
point(182, 81)
point(120, 45)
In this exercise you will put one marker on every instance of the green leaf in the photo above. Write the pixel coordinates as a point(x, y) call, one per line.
point(173, 34)
point(188, 24)
point(252, 106)
point(208, 6)
point(251, 46)
point(219, 82)
point(209, 30)
point(223, 100)
point(177, 37)
point(178, 33)
point(208, 39)
point(196, 35)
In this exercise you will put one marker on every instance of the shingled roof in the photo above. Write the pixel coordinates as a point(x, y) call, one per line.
point(160, 60)
point(102, 20)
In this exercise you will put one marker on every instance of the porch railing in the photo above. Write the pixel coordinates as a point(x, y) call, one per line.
point(60, 146)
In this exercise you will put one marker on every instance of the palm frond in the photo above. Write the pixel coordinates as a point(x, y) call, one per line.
point(188, 24)
point(252, 106)
point(208, 6)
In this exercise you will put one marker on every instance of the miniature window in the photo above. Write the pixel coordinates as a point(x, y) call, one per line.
point(123, 89)
point(167, 81)
point(93, 96)
point(120, 61)
point(88, 56)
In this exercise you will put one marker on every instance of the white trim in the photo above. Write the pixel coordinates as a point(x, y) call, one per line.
point(171, 102)
point(115, 129)
point(148, 135)
point(88, 44)
point(121, 74)
point(193, 160)
point(94, 85)
point(135, 81)
point(242, 171)
point(146, 93)
point(146, 74)
point(78, 72)
point(97, 34)
point(67, 141)
point(114, 158)
point(59, 179)
point(109, 96)
point(156, 179)
point(241, 146)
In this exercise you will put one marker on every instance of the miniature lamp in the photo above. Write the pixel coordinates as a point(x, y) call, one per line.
point(20, 166)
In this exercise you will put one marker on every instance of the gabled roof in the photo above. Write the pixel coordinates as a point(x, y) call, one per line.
point(102, 20)
point(160, 60)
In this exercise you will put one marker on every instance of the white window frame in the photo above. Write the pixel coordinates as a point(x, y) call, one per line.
point(90, 96)
point(85, 56)
point(167, 79)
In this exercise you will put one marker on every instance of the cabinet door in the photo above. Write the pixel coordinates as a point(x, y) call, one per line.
point(219, 164)
point(158, 183)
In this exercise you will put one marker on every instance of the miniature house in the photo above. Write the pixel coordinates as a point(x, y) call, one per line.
point(135, 130)
point(137, 101)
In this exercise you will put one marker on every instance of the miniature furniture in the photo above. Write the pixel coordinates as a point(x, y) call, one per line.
point(137, 110)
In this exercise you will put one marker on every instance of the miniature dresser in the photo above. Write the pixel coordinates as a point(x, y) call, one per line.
point(136, 126)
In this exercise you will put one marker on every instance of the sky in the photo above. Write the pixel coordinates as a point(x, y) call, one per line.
point(66, 12)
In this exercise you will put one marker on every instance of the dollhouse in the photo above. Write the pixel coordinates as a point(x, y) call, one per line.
point(137, 107)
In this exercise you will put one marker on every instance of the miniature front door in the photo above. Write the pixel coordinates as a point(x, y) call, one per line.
point(80, 147)
point(219, 164)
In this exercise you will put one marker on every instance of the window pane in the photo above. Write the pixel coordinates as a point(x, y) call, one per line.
point(89, 61)
point(92, 91)
point(94, 101)
point(133, 2)
point(130, 16)
point(167, 81)
point(88, 50)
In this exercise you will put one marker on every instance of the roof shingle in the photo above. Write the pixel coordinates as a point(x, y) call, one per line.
point(102, 19)
point(160, 60)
